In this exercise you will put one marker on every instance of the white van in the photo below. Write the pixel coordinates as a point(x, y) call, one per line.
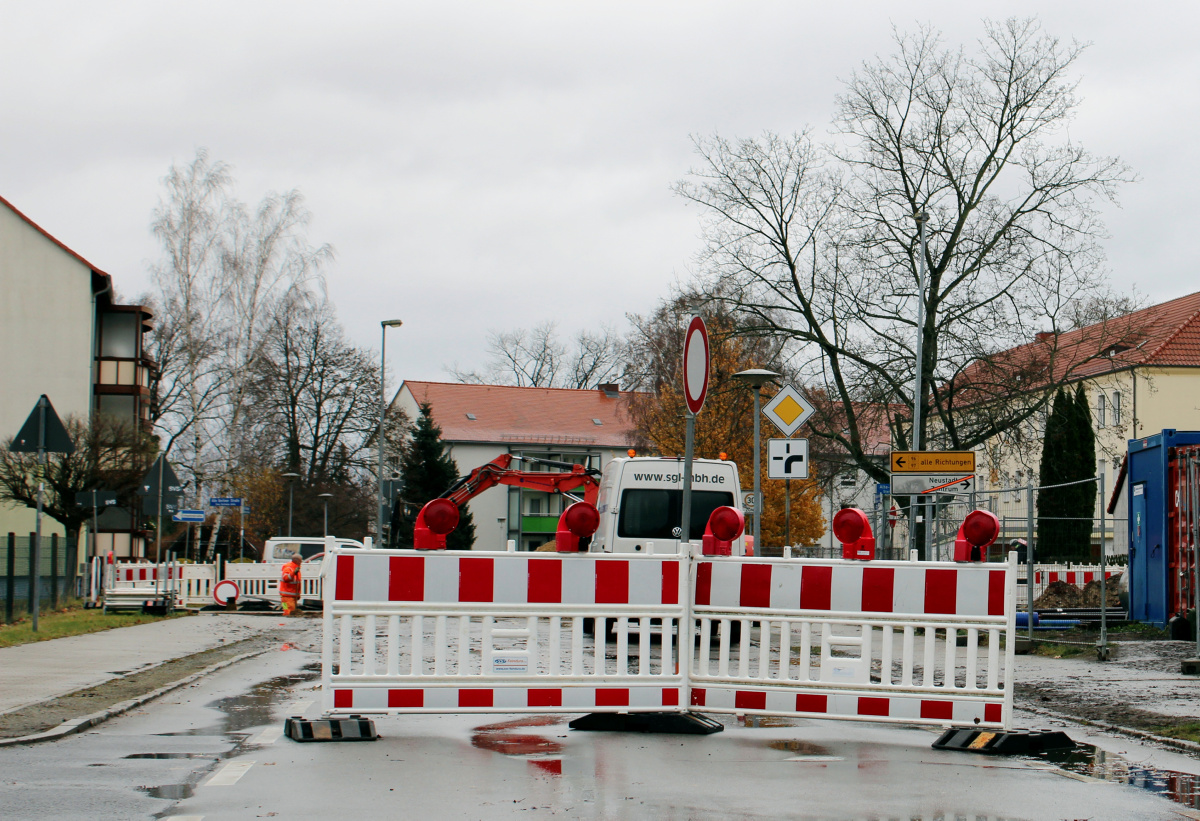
point(641, 502)
point(278, 551)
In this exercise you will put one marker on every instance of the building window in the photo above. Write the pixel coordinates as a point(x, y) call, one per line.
point(117, 406)
point(1100, 402)
point(1116, 408)
point(848, 480)
point(120, 335)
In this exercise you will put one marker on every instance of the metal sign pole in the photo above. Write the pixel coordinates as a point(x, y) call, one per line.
point(1029, 555)
point(35, 580)
point(685, 528)
point(1103, 573)
point(758, 505)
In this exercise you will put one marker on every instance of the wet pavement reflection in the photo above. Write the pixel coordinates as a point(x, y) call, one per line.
point(1093, 762)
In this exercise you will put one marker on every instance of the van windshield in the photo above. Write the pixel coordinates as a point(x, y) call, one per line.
point(650, 513)
point(284, 550)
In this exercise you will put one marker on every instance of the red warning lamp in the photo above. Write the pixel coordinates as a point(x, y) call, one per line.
point(437, 518)
point(852, 528)
point(724, 525)
point(975, 534)
point(578, 521)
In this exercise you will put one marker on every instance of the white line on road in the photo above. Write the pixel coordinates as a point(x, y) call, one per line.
point(298, 707)
point(268, 736)
point(229, 775)
point(184, 818)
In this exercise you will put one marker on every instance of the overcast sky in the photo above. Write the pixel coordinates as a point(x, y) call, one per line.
point(493, 165)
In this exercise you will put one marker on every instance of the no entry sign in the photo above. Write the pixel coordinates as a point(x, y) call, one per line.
point(695, 364)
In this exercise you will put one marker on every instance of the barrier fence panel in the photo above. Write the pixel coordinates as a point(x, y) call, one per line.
point(408, 631)
point(873, 641)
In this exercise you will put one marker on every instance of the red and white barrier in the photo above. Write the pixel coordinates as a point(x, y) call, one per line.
point(410, 631)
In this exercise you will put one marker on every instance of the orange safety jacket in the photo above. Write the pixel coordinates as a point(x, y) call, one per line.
point(289, 585)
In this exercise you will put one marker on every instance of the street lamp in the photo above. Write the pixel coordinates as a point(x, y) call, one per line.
point(754, 379)
point(384, 325)
point(291, 477)
point(326, 497)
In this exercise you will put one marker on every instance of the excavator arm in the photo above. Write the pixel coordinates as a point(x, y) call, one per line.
point(499, 471)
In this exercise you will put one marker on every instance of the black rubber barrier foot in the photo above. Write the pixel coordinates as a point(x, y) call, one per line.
point(998, 742)
point(674, 723)
point(351, 728)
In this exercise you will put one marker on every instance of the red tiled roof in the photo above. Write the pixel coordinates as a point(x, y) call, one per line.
point(52, 238)
point(526, 415)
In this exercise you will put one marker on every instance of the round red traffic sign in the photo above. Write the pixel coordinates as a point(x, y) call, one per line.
point(225, 590)
point(695, 364)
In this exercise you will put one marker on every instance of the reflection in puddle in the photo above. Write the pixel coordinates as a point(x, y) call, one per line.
point(171, 792)
point(251, 709)
point(214, 756)
point(1086, 759)
point(543, 753)
point(799, 747)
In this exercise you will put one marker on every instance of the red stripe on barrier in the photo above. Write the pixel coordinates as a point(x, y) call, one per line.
point(670, 696)
point(343, 699)
point(993, 713)
point(545, 697)
point(476, 697)
point(406, 698)
point(703, 583)
point(1088, 578)
point(749, 700)
point(142, 574)
point(995, 592)
point(808, 703)
point(670, 582)
point(344, 590)
point(406, 578)
point(612, 582)
point(697, 697)
point(756, 585)
point(941, 591)
point(878, 585)
point(612, 696)
point(937, 709)
point(545, 581)
point(475, 580)
point(874, 706)
point(816, 585)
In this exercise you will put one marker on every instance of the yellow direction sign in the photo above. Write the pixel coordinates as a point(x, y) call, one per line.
point(788, 410)
point(933, 461)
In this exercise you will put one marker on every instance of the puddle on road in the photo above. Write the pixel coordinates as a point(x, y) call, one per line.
point(253, 708)
point(171, 792)
point(213, 756)
point(543, 754)
point(1091, 761)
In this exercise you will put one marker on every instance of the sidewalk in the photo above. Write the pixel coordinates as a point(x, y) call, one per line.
point(35, 672)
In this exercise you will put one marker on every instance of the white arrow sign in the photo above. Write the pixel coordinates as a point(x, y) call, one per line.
point(907, 484)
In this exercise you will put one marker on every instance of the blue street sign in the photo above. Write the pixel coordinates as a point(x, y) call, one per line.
point(883, 489)
point(225, 501)
point(189, 516)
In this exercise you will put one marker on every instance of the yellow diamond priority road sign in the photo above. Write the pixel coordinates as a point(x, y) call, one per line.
point(933, 461)
point(788, 410)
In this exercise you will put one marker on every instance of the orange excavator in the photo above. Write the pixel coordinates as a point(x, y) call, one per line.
point(577, 523)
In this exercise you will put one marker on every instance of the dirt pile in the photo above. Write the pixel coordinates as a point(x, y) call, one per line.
point(1091, 592)
point(1060, 594)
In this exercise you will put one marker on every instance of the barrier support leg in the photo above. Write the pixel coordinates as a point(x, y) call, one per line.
point(687, 723)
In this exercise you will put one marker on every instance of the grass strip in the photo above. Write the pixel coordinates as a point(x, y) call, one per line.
point(75, 621)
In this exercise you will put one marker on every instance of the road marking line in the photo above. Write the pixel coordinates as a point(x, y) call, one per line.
point(184, 818)
point(268, 736)
point(230, 774)
point(299, 706)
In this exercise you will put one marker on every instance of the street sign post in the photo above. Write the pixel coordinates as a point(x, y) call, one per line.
point(933, 461)
point(42, 433)
point(225, 501)
point(695, 391)
point(788, 410)
point(787, 458)
point(916, 484)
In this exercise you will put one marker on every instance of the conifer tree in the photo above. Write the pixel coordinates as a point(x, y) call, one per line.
point(1084, 457)
point(427, 472)
point(1053, 503)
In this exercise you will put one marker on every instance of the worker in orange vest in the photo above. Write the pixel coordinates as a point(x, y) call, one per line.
point(289, 585)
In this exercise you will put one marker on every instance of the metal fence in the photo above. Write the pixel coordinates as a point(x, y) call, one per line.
point(57, 578)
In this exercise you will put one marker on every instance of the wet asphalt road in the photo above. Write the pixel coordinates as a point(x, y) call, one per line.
point(213, 751)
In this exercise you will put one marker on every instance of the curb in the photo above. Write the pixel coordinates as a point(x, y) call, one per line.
point(76, 725)
point(1177, 743)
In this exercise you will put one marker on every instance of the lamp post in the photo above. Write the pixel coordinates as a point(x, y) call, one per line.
point(922, 218)
point(291, 477)
point(326, 497)
point(383, 326)
point(755, 378)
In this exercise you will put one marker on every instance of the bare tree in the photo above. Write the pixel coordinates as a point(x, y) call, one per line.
point(819, 245)
point(539, 358)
